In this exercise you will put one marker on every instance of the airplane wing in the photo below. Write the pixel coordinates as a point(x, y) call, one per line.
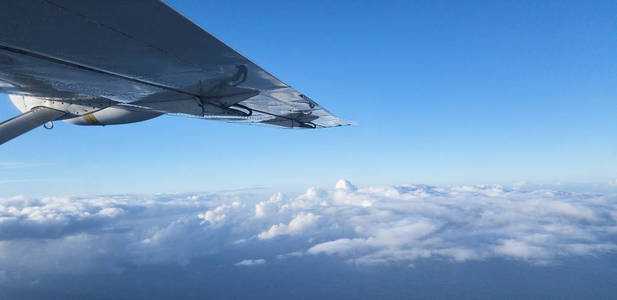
point(139, 55)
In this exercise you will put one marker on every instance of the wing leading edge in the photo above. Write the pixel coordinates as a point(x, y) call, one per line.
point(144, 55)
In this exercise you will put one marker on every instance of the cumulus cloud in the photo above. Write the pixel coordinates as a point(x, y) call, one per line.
point(298, 224)
point(264, 207)
point(217, 215)
point(360, 225)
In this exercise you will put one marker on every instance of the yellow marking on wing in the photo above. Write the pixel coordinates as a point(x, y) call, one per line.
point(91, 120)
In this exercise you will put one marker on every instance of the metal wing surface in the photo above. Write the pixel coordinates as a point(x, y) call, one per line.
point(144, 55)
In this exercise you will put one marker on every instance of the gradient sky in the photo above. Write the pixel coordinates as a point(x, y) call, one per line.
point(445, 92)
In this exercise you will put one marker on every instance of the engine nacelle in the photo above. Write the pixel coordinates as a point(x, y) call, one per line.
point(94, 111)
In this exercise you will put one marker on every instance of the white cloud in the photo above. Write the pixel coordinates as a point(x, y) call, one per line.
point(265, 207)
point(345, 185)
point(362, 225)
point(251, 262)
point(298, 224)
point(339, 246)
point(519, 249)
point(217, 215)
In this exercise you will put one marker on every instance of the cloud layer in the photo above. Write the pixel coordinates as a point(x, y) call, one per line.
point(373, 225)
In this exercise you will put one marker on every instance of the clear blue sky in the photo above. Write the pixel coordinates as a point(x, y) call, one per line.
point(444, 92)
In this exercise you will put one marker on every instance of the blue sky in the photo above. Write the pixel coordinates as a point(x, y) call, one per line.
point(444, 93)
point(458, 104)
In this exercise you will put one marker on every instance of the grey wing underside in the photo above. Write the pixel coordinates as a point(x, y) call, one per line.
point(144, 55)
